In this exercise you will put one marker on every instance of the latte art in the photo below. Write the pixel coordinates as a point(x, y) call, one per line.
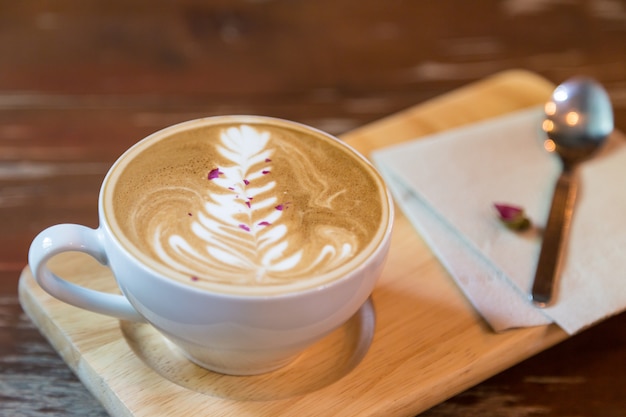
point(248, 206)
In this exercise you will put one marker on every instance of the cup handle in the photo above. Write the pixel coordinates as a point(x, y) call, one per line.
point(76, 238)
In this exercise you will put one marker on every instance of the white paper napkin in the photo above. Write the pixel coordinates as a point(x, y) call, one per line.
point(446, 185)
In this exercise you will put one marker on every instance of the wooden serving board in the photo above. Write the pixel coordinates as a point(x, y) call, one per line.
point(416, 344)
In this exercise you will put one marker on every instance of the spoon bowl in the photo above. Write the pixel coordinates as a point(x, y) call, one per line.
point(579, 118)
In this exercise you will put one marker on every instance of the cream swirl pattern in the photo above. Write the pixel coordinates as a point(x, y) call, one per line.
point(248, 206)
point(246, 241)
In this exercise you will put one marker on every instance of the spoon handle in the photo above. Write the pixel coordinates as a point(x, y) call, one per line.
point(556, 229)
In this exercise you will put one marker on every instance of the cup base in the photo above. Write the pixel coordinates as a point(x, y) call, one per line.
point(244, 362)
point(240, 370)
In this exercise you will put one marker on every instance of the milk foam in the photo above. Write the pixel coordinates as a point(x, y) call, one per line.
point(240, 227)
point(261, 207)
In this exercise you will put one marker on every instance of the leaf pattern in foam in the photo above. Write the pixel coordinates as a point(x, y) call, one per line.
point(243, 239)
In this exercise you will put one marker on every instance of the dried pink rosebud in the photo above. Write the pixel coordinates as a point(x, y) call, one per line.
point(244, 227)
point(194, 278)
point(246, 182)
point(264, 223)
point(508, 212)
point(512, 216)
point(268, 160)
point(265, 172)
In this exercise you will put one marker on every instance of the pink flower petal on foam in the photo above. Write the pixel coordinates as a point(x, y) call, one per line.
point(283, 206)
point(214, 173)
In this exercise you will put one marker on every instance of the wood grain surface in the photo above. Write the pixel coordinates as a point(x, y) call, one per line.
point(80, 81)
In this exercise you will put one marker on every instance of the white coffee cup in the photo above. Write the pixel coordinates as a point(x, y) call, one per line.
point(239, 315)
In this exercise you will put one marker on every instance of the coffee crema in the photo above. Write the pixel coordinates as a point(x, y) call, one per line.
point(246, 205)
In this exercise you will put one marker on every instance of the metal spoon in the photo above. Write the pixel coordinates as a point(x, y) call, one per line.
point(579, 118)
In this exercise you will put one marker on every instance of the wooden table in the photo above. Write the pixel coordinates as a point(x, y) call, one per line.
point(82, 81)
